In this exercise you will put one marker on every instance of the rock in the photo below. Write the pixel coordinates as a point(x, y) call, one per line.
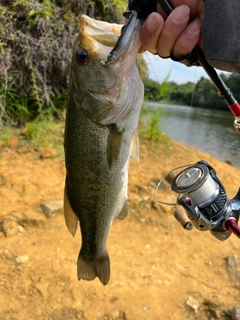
point(30, 218)
point(121, 315)
point(154, 205)
point(193, 304)
point(141, 188)
point(42, 288)
point(67, 313)
point(232, 269)
point(23, 150)
point(48, 153)
point(232, 261)
point(10, 226)
point(14, 223)
point(22, 259)
point(153, 184)
point(146, 308)
point(213, 311)
point(51, 206)
point(145, 198)
point(235, 313)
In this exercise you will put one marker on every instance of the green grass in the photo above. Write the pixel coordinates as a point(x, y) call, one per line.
point(150, 127)
point(42, 132)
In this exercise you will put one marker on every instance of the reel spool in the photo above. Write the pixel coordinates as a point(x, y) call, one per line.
point(197, 183)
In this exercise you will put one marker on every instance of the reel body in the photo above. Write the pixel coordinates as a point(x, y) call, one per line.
point(204, 199)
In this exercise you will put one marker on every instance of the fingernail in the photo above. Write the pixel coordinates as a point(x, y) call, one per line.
point(194, 27)
point(180, 14)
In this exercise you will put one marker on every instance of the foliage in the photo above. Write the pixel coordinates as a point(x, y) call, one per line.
point(42, 132)
point(35, 52)
point(154, 90)
point(151, 125)
point(181, 94)
point(45, 133)
point(202, 94)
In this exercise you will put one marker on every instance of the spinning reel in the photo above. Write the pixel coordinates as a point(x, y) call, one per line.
point(205, 204)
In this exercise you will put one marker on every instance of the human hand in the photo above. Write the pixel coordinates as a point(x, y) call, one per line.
point(174, 35)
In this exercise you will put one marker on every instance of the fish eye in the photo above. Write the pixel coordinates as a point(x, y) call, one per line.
point(81, 56)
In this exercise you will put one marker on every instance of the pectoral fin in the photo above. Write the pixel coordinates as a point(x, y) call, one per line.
point(114, 143)
point(70, 217)
point(135, 145)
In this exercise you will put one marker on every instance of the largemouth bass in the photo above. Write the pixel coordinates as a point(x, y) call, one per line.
point(104, 102)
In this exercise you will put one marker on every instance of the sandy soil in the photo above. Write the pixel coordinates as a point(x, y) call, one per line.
point(156, 265)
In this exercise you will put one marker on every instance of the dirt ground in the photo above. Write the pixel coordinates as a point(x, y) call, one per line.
point(157, 267)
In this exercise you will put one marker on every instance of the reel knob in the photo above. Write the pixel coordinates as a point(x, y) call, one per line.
point(182, 217)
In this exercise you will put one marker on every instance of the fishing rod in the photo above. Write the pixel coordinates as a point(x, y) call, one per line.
point(223, 91)
point(201, 195)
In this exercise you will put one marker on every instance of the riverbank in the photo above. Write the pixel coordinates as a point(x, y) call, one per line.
point(157, 267)
point(206, 130)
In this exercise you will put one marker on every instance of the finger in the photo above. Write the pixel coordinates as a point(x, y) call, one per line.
point(150, 32)
point(192, 4)
point(173, 27)
point(188, 39)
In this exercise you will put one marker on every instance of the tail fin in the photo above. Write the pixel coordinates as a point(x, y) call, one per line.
point(89, 269)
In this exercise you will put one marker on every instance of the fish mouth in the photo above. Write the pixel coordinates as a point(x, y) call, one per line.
point(98, 37)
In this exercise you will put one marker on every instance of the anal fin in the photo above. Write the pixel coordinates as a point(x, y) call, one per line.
point(123, 213)
point(71, 218)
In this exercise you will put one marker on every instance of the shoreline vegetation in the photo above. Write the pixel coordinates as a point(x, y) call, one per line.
point(35, 56)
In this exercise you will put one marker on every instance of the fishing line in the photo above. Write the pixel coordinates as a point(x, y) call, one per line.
point(149, 58)
point(195, 84)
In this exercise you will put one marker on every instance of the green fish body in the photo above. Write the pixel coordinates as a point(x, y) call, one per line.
point(104, 102)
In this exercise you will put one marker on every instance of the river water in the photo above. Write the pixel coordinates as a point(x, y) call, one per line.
point(207, 130)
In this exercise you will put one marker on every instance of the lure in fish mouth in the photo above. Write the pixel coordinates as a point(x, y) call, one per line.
point(139, 10)
point(103, 106)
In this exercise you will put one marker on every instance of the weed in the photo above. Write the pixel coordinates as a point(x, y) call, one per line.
point(150, 127)
point(5, 134)
point(153, 124)
point(45, 133)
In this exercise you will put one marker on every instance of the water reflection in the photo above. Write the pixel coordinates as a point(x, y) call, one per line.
point(207, 130)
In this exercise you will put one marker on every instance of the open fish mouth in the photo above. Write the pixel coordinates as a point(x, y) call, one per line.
point(98, 37)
